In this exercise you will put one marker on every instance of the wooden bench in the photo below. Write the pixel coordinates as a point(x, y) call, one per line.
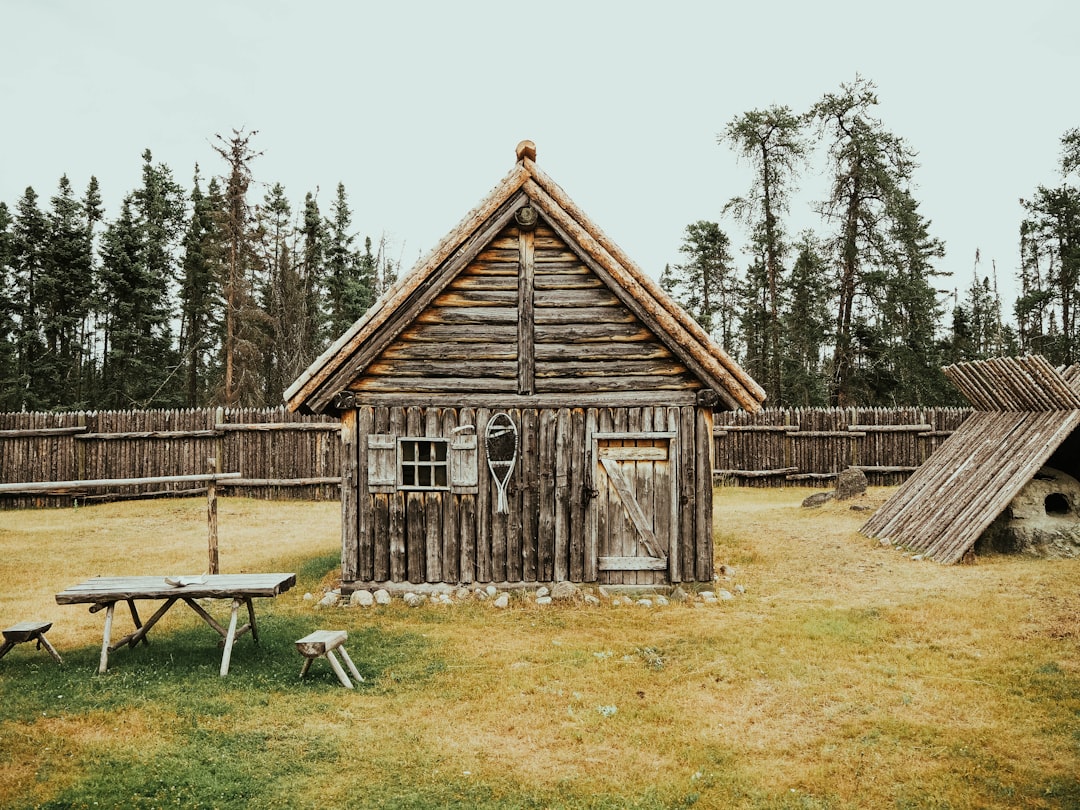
point(321, 644)
point(29, 631)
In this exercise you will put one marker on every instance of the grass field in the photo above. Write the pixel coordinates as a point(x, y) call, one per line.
point(846, 676)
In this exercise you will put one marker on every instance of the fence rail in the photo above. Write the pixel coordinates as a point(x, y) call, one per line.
point(282, 455)
point(278, 454)
point(794, 446)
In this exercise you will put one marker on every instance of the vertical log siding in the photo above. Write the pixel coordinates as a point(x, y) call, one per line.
point(460, 536)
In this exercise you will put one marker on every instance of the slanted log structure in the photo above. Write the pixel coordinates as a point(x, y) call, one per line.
point(525, 312)
point(1027, 415)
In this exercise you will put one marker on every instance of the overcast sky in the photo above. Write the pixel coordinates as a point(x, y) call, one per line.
point(417, 106)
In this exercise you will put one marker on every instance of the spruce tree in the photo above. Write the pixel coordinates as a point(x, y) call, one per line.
point(30, 231)
point(200, 295)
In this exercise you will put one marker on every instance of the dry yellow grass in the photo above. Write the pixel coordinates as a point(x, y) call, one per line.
point(847, 676)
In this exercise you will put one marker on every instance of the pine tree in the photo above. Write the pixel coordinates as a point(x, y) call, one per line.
point(30, 231)
point(705, 284)
point(805, 326)
point(200, 294)
point(879, 245)
point(350, 283)
point(65, 287)
point(137, 343)
point(241, 380)
point(8, 357)
point(772, 141)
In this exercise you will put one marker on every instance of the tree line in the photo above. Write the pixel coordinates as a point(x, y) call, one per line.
point(189, 297)
point(852, 313)
point(201, 296)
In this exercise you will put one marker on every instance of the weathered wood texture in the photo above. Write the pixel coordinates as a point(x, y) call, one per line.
point(778, 447)
point(1027, 415)
point(278, 454)
point(565, 519)
point(525, 316)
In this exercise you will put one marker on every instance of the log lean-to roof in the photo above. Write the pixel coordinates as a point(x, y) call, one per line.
point(1024, 409)
point(346, 358)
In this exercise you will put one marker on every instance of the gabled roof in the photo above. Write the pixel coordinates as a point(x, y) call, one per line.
point(349, 355)
point(1024, 410)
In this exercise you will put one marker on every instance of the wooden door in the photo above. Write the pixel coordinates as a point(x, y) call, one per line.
point(634, 513)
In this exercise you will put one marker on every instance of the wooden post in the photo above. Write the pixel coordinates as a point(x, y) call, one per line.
point(211, 514)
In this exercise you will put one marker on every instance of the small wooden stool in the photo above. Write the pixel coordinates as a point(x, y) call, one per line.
point(29, 631)
point(321, 644)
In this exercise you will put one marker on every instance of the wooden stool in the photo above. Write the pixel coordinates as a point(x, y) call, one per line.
point(29, 631)
point(321, 644)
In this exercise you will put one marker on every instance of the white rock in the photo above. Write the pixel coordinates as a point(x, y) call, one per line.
point(725, 595)
point(414, 599)
point(590, 599)
point(542, 591)
point(462, 594)
point(740, 589)
point(491, 590)
point(382, 597)
point(502, 601)
point(329, 600)
point(309, 597)
point(661, 600)
point(707, 595)
point(362, 598)
point(543, 600)
point(644, 602)
point(565, 589)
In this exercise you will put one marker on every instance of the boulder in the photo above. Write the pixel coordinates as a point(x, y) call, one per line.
point(851, 483)
point(817, 499)
point(362, 599)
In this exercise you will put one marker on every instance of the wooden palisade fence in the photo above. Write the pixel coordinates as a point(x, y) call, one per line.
point(811, 446)
point(278, 454)
point(283, 455)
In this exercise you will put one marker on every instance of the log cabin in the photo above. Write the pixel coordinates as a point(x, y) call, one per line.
point(526, 406)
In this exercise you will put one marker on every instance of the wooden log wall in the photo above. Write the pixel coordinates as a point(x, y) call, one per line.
point(279, 455)
point(811, 446)
point(459, 535)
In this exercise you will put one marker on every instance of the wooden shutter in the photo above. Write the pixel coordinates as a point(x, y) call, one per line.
point(464, 464)
point(381, 462)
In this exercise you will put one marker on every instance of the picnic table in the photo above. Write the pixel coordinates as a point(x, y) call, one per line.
point(102, 593)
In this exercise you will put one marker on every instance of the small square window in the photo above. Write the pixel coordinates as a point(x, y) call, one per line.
point(424, 464)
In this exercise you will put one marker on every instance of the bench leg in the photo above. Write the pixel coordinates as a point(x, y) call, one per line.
point(350, 665)
point(7, 646)
point(304, 669)
point(338, 670)
point(44, 642)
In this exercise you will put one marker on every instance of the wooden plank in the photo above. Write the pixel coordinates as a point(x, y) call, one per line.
point(637, 518)
point(433, 507)
point(467, 514)
point(484, 507)
point(703, 517)
point(563, 463)
point(633, 563)
point(397, 527)
point(545, 530)
point(591, 552)
point(576, 447)
point(36, 433)
point(525, 315)
point(355, 526)
point(530, 484)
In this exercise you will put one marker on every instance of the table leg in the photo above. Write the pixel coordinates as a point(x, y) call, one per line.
point(138, 624)
point(229, 638)
point(103, 664)
point(251, 621)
